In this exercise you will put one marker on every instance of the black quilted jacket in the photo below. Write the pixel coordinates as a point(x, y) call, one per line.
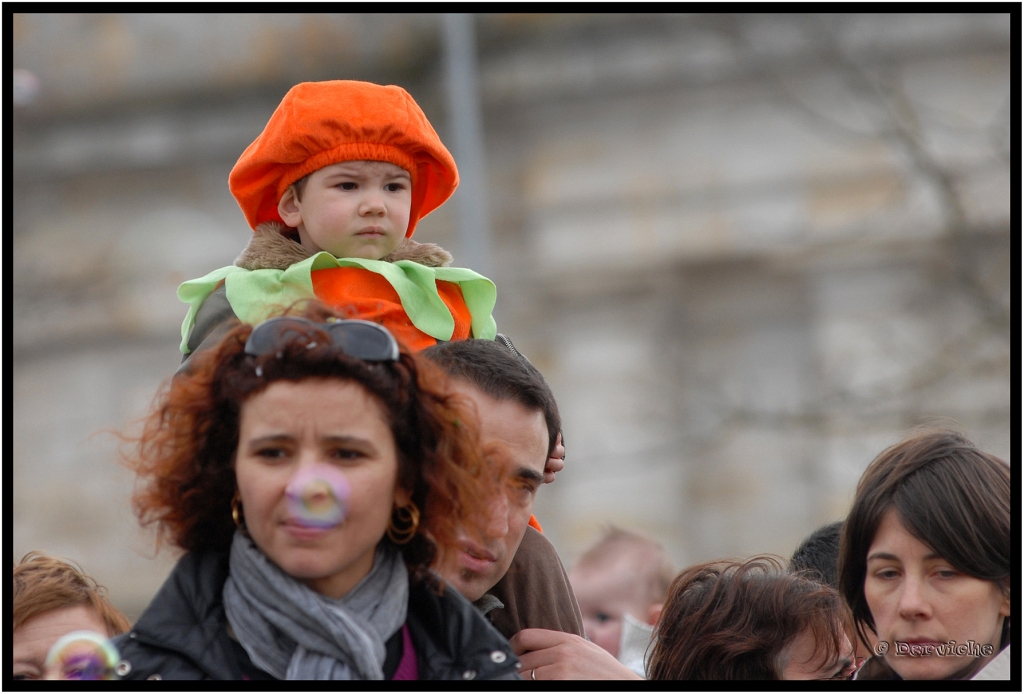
point(183, 633)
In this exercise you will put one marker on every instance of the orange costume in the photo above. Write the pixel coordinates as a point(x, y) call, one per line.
point(412, 291)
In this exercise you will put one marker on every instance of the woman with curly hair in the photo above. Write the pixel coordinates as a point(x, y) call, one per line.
point(312, 472)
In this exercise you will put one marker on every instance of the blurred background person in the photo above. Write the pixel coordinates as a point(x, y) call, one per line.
point(750, 620)
point(818, 554)
point(52, 598)
point(620, 585)
point(927, 557)
point(818, 557)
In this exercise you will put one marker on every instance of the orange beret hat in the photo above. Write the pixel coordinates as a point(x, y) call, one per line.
point(322, 123)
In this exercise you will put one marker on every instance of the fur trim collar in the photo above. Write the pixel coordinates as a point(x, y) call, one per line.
point(272, 248)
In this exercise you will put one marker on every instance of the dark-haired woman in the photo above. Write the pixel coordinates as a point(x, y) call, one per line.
point(750, 620)
point(925, 559)
point(311, 472)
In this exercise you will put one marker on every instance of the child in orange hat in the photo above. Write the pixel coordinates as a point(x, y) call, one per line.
point(333, 188)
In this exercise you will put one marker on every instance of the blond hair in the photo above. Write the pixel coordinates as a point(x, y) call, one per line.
point(43, 583)
point(653, 566)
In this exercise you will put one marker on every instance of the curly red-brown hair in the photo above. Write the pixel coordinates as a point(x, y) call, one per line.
point(184, 457)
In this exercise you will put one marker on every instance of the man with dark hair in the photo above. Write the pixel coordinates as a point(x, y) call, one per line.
point(819, 554)
point(518, 581)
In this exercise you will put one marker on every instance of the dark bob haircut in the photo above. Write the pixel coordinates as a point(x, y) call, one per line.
point(732, 620)
point(946, 493)
point(184, 457)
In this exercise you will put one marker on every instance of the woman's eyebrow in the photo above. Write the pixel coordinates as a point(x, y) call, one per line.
point(269, 438)
point(883, 555)
point(345, 440)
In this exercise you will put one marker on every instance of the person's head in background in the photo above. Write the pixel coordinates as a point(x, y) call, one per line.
point(818, 554)
point(519, 424)
point(623, 573)
point(52, 598)
point(818, 557)
point(926, 555)
point(750, 620)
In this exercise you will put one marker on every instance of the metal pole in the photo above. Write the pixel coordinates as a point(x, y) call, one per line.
point(467, 143)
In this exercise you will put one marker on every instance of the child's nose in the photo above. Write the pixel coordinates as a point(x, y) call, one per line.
point(373, 203)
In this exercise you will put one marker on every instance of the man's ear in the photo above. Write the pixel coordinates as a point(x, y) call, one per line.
point(653, 612)
point(288, 208)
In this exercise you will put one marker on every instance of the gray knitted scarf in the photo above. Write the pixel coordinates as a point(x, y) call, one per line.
point(294, 633)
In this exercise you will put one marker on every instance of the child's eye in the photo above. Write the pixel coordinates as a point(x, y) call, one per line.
point(394, 187)
point(347, 185)
point(602, 617)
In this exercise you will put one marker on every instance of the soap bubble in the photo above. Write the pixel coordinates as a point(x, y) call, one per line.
point(317, 496)
point(82, 655)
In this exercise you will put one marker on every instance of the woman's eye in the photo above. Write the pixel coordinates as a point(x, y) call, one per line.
point(270, 453)
point(947, 573)
point(347, 454)
point(887, 574)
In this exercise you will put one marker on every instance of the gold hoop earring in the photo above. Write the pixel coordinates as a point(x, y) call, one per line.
point(409, 517)
point(237, 513)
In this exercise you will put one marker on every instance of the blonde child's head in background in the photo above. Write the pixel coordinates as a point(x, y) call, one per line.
point(350, 166)
point(624, 573)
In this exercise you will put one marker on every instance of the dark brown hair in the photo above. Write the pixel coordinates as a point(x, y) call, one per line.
point(731, 620)
point(946, 493)
point(43, 583)
point(500, 374)
point(184, 457)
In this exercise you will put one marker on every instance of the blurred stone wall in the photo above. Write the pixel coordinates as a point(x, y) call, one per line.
point(747, 251)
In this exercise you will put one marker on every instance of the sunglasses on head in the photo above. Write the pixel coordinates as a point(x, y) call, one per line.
point(359, 339)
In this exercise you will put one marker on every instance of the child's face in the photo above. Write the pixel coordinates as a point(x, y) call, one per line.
point(605, 593)
point(355, 209)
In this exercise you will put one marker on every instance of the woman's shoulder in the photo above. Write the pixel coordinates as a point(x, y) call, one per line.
point(453, 640)
point(182, 634)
